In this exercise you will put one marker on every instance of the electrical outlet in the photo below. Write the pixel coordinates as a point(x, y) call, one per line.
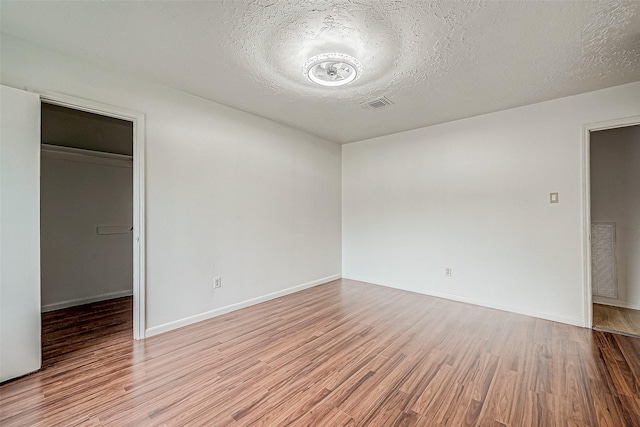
point(217, 282)
point(447, 271)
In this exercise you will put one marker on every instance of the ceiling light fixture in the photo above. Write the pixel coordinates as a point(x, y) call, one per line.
point(332, 69)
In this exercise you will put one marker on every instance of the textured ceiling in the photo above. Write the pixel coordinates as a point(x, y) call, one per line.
point(437, 61)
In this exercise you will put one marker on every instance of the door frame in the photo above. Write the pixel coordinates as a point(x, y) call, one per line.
point(587, 311)
point(139, 248)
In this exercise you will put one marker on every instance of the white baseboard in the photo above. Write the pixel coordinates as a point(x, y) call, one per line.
point(155, 330)
point(483, 303)
point(621, 304)
point(80, 301)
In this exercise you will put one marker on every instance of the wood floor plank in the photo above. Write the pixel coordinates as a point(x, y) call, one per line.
point(616, 318)
point(341, 354)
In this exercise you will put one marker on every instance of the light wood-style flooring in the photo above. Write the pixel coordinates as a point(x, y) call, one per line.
point(616, 319)
point(343, 353)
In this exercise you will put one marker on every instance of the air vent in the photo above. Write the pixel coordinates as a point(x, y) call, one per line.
point(376, 104)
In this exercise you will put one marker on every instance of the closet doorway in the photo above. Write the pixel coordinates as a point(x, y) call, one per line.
point(614, 177)
point(86, 229)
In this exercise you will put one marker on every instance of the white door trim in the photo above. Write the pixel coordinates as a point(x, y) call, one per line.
point(587, 310)
point(138, 120)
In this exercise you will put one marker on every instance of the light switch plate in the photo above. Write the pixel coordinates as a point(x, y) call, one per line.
point(553, 198)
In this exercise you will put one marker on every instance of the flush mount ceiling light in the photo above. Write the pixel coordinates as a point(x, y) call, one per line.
point(332, 69)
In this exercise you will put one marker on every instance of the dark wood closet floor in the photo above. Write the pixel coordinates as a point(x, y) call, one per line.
point(77, 329)
point(343, 353)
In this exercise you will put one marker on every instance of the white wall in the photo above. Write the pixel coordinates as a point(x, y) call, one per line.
point(227, 193)
point(78, 265)
point(19, 241)
point(473, 195)
point(615, 197)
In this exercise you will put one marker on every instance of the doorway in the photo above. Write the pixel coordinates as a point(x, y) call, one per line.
point(614, 227)
point(98, 152)
point(20, 306)
point(86, 228)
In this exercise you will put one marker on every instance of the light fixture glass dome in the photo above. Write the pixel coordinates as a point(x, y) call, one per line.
point(332, 69)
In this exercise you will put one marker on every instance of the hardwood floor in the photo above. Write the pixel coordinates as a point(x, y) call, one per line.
point(616, 319)
point(344, 353)
point(72, 330)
